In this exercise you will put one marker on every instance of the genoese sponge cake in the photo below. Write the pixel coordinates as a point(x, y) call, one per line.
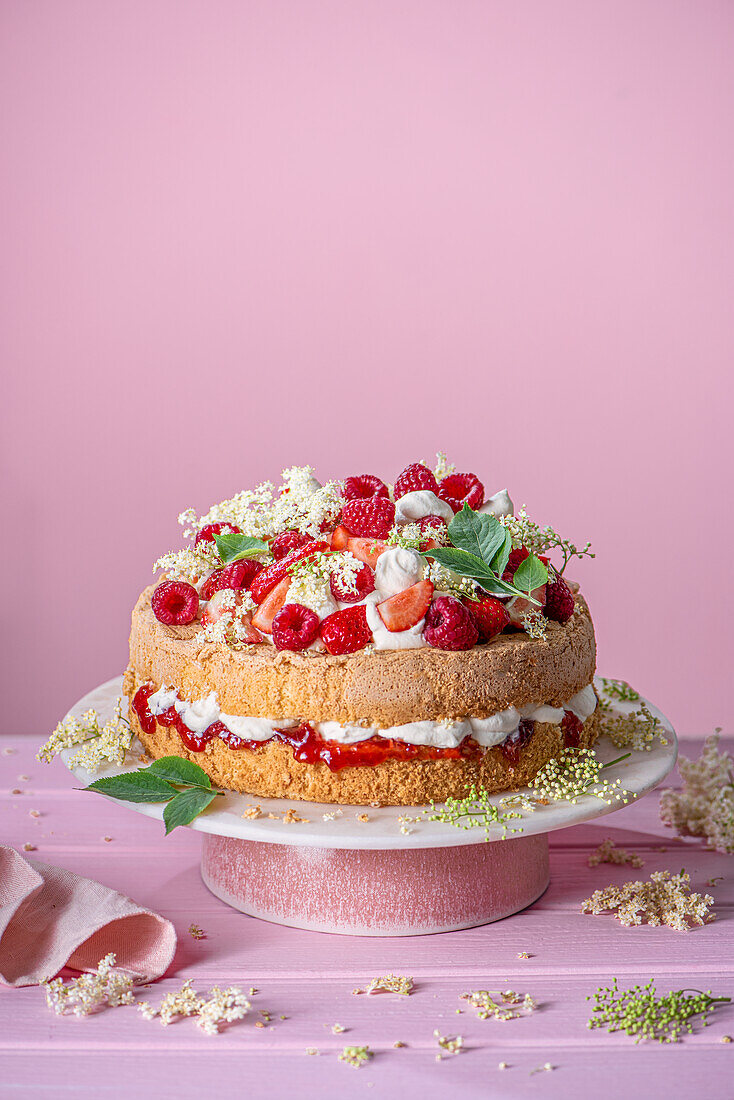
point(357, 642)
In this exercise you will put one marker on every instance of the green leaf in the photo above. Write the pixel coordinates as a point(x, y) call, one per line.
point(530, 574)
point(501, 558)
point(187, 805)
point(478, 534)
point(468, 565)
point(234, 547)
point(139, 786)
point(177, 770)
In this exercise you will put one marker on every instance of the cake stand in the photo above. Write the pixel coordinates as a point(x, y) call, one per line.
point(377, 871)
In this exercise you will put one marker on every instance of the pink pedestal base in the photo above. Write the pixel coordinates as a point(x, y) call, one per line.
point(377, 893)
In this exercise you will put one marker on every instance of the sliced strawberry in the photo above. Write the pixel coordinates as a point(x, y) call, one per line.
point(274, 574)
point(367, 550)
point(222, 603)
point(270, 606)
point(340, 538)
point(406, 608)
point(520, 606)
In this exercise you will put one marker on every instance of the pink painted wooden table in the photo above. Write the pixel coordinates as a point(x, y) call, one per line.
point(309, 977)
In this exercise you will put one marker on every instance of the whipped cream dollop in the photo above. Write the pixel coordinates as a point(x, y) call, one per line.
point(422, 502)
point(382, 638)
point(447, 733)
point(396, 569)
point(499, 504)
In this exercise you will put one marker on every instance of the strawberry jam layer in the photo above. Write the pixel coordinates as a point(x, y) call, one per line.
point(307, 745)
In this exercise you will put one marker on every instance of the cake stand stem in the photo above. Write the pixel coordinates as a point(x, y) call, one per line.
point(360, 892)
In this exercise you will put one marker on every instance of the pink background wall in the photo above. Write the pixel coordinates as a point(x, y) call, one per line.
point(239, 235)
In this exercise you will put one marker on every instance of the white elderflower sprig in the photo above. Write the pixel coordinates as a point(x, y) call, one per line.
point(492, 1004)
point(451, 1044)
point(310, 577)
point(637, 730)
point(541, 540)
point(607, 852)
point(443, 467)
point(232, 627)
point(575, 773)
point(105, 742)
point(90, 992)
point(705, 805)
point(662, 899)
point(304, 505)
point(391, 983)
point(475, 811)
point(535, 624)
point(222, 1006)
point(249, 510)
point(189, 564)
point(445, 580)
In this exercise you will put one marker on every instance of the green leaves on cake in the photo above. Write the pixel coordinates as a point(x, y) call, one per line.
point(182, 785)
point(235, 547)
point(481, 550)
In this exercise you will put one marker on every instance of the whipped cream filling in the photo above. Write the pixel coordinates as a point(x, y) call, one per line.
point(447, 733)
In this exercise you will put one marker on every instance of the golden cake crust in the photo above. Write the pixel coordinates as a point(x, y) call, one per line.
point(386, 688)
point(272, 771)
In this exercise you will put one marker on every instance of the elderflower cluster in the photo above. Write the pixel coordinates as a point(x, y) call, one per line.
point(474, 811)
point(232, 628)
point(450, 1044)
point(108, 742)
point(540, 540)
point(445, 580)
point(705, 805)
point(443, 467)
point(662, 899)
point(249, 510)
point(495, 1005)
point(637, 730)
point(607, 852)
point(391, 983)
point(535, 624)
point(89, 992)
point(573, 774)
point(222, 1006)
point(640, 1012)
point(355, 1056)
point(189, 564)
point(310, 578)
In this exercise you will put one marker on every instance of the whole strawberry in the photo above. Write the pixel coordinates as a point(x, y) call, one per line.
point(559, 601)
point(491, 617)
point(450, 625)
point(372, 518)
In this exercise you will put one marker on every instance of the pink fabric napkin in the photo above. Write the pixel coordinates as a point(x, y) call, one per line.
point(51, 918)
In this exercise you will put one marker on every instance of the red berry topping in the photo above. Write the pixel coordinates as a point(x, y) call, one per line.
point(406, 608)
point(491, 617)
point(295, 627)
point(346, 631)
point(289, 540)
point(197, 742)
point(175, 603)
point(371, 518)
point(208, 532)
point(367, 550)
point(460, 489)
point(339, 538)
point(415, 477)
point(268, 578)
point(573, 729)
point(364, 487)
point(516, 556)
point(450, 625)
point(363, 584)
point(240, 574)
point(263, 618)
point(559, 601)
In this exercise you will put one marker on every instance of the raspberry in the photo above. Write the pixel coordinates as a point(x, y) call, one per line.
point(295, 627)
point(435, 530)
point(414, 477)
point(371, 518)
point(289, 540)
point(240, 574)
point(450, 625)
point(460, 489)
point(559, 601)
point(265, 581)
point(491, 617)
point(364, 583)
point(175, 603)
point(363, 487)
point(516, 556)
point(208, 532)
point(346, 631)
